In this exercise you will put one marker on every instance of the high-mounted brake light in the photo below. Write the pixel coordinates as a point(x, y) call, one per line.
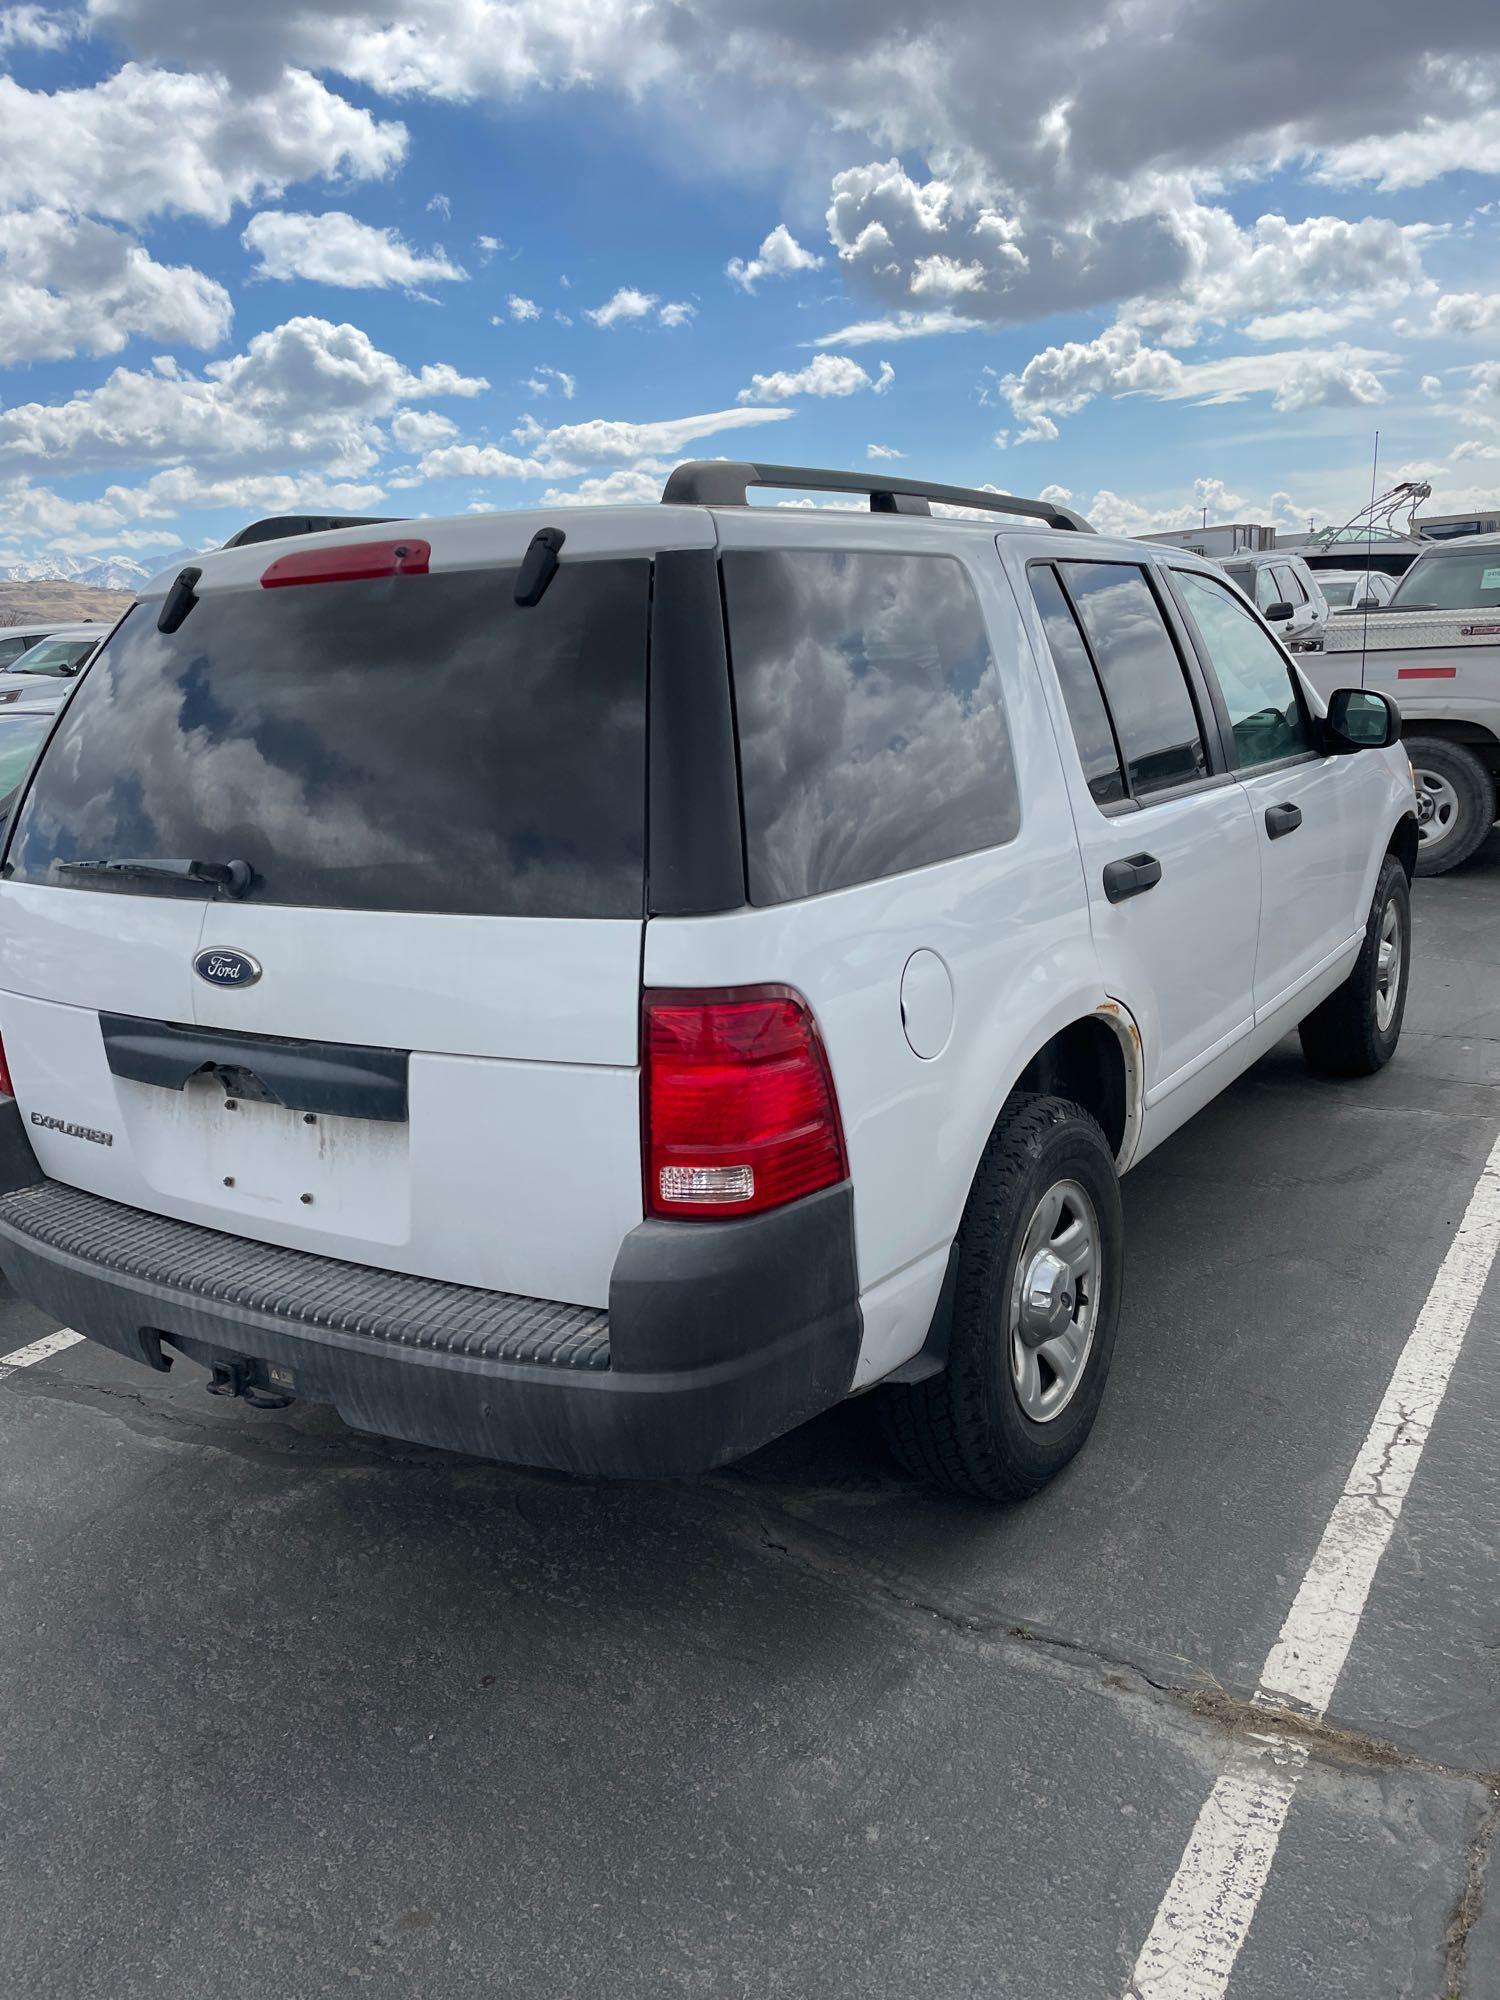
point(739, 1111)
point(7, 1088)
point(349, 562)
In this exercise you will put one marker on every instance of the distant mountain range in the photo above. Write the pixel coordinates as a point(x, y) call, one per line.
point(92, 572)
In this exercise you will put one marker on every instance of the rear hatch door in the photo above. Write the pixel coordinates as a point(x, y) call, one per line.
point(414, 1041)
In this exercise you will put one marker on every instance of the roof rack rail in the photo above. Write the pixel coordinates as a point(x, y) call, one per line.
point(725, 482)
point(275, 527)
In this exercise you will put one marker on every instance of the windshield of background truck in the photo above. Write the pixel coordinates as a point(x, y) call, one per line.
point(54, 656)
point(1467, 581)
point(415, 743)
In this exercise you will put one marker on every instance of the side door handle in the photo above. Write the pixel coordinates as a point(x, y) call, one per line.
point(1131, 877)
point(1282, 819)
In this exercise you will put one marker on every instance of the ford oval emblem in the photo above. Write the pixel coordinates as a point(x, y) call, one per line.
point(221, 966)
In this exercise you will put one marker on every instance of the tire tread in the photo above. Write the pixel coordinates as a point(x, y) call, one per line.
point(942, 1429)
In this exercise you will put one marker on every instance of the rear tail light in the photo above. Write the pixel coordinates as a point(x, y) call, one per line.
point(739, 1108)
point(7, 1088)
point(349, 562)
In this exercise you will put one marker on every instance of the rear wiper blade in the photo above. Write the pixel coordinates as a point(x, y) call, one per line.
point(233, 878)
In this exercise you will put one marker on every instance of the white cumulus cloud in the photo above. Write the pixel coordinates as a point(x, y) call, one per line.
point(150, 142)
point(70, 285)
point(824, 375)
point(336, 249)
point(779, 256)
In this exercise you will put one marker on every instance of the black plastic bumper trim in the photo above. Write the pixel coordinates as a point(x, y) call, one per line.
point(727, 1349)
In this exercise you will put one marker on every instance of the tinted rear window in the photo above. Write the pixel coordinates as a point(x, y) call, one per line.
point(1459, 582)
point(411, 743)
point(871, 733)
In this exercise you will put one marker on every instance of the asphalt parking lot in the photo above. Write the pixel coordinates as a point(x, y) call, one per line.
point(290, 1711)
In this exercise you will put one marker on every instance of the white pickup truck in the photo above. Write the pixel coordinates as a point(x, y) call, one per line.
point(1436, 648)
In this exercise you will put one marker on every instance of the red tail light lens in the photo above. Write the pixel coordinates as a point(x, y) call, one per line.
point(349, 562)
point(740, 1113)
point(7, 1088)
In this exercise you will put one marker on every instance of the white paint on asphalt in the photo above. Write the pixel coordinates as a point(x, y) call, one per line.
point(1205, 1916)
point(39, 1350)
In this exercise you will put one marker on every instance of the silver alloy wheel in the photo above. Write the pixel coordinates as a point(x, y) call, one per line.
point(1388, 956)
point(1054, 1301)
point(1441, 821)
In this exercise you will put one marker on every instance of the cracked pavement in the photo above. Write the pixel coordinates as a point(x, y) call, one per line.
point(292, 1711)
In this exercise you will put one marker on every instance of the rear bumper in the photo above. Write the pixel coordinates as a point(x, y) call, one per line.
point(719, 1336)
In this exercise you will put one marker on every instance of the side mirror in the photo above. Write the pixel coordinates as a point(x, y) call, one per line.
point(1360, 719)
point(1275, 613)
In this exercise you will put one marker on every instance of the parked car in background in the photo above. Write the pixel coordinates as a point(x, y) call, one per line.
point(1286, 593)
point(1436, 648)
point(18, 639)
point(60, 656)
point(609, 1070)
point(24, 724)
point(1355, 589)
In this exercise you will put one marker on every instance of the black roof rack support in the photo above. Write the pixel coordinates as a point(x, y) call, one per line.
point(725, 482)
point(276, 527)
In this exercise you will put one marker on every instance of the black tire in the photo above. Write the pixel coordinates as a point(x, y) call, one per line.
point(1467, 792)
point(965, 1428)
point(1345, 1035)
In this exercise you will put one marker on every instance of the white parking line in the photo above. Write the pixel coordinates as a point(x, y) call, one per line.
point(1203, 1919)
point(39, 1350)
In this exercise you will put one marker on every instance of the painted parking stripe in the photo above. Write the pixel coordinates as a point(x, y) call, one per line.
point(1205, 1916)
point(39, 1350)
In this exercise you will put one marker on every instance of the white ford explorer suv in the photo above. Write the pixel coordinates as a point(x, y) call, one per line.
point(596, 993)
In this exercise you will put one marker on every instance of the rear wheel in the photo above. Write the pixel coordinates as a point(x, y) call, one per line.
point(1457, 794)
point(1355, 1031)
point(1041, 1253)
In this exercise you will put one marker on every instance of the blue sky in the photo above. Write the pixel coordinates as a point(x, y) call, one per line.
point(1146, 254)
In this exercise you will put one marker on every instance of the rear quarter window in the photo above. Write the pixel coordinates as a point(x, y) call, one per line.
point(871, 732)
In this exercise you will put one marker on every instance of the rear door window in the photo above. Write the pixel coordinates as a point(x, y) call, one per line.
point(872, 737)
point(407, 743)
point(1098, 751)
point(1143, 675)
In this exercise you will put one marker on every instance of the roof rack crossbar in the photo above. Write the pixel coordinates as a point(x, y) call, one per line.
point(276, 527)
point(725, 482)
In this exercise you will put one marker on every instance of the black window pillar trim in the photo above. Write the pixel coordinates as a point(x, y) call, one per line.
point(695, 850)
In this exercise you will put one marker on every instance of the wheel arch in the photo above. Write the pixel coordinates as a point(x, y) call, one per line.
point(1403, 843)
point(1096, 1061)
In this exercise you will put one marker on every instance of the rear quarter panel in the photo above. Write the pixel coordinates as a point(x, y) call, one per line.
point(1011, 927)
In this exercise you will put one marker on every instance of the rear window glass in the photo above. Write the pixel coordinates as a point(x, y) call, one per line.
point(1470, 581)
point(409, 743)
point(872, 738)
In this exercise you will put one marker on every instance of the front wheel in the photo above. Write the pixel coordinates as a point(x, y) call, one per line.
point(1356, 1029)
point(1040, 1261)
point(1458, 800)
